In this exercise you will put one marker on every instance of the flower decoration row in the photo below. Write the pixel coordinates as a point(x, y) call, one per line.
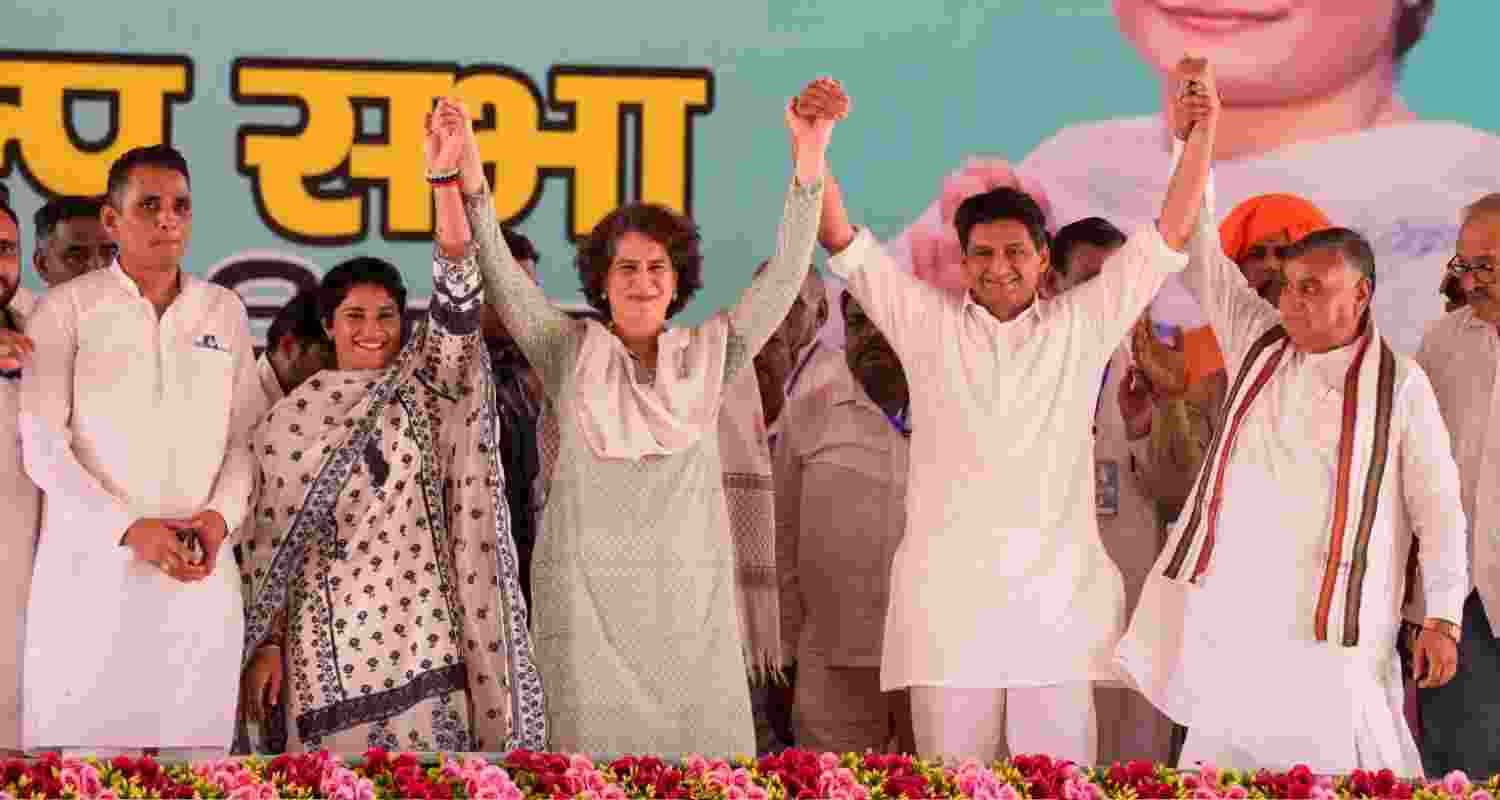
point(792, 775)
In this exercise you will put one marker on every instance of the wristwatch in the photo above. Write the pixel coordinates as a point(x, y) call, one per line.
point(1443, 626)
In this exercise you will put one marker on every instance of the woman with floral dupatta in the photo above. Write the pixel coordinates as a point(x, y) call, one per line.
point(382, 578)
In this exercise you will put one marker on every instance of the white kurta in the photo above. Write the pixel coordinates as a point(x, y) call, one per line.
point(1001, 579)
point(1401, 185)
point(127, 417)
point(1250, 673)
point(20, 514)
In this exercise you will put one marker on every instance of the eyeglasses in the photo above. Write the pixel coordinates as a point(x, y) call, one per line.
point(1483, 268)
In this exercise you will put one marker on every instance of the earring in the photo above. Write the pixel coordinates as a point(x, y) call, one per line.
point(604, 295)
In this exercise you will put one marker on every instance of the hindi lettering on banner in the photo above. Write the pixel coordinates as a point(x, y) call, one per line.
point(290, 167)
point(37, 96)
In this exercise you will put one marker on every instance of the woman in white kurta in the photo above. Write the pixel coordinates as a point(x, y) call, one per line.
point(636, 622)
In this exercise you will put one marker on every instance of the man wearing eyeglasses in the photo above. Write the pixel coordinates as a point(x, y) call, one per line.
point(1460, 353)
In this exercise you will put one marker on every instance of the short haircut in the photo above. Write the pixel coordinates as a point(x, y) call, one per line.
point(358, 271)
point(673, 231)
point(1411, 25)
point(520, 246)
point(5, 206)
point(299, 318)
point(1354, 248)
point(61, 209)
point(157, 155)
point(997, 204)
point(1487, 206)
point(1096, 231)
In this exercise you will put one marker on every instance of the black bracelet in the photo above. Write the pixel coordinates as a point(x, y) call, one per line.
point(443, 177)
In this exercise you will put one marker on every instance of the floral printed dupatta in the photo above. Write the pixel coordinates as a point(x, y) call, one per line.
point(395, 577)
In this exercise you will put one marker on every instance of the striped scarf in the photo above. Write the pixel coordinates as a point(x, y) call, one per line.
point(1363, 450)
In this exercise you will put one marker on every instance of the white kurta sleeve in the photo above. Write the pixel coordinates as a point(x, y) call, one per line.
point(1434, 506)
point(236, 479)
point(894, 299)
point(46, 432)
point(1236, 311)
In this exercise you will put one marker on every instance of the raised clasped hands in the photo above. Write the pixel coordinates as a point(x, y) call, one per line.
point(810, 117)
point(446, 140)
point(1196, 98)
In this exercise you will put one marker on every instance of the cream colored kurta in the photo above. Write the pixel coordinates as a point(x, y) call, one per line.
point(20, 515)
point(840, 515)
point(1002, 580)
point(1130, 728)
point(1460, 354)
point(817, 365)
point(126, 417)
point(1249, 671)
point(1399, 184)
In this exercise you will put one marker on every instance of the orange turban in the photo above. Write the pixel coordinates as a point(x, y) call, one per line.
point(1267, 215)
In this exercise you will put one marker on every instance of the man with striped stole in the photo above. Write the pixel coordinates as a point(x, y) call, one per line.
point(1268, 624)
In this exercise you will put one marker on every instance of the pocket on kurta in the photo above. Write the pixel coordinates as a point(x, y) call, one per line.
point(205, 390)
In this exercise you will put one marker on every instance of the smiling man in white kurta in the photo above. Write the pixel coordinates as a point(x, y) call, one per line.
point(1001, 585)
point(1268, 625)
point(133, 420)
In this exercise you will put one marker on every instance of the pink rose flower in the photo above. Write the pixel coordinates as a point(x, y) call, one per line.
point(828, 761)
point(735, 793)
point(1237, 793)
point(580, 761)
point(1456, 782)
point(512, 792)
point(612, 792)
point(485, 793)
point(1007, 792)
point(108, 794)
point(1204, 793)
point(757, 793)
point(1209, 773)
point(1480, 794)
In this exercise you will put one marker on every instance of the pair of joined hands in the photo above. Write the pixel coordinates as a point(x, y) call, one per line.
point(168, 544)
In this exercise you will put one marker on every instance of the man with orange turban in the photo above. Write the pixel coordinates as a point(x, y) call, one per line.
point(1255, 229)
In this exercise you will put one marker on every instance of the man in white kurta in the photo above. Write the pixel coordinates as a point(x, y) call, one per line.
point(1268, 626)
point(1461, 356)
point(20, 502)
point(1002, 582)
point(135, 411)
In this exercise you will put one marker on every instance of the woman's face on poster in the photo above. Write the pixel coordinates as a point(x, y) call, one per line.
point(1266, 51)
